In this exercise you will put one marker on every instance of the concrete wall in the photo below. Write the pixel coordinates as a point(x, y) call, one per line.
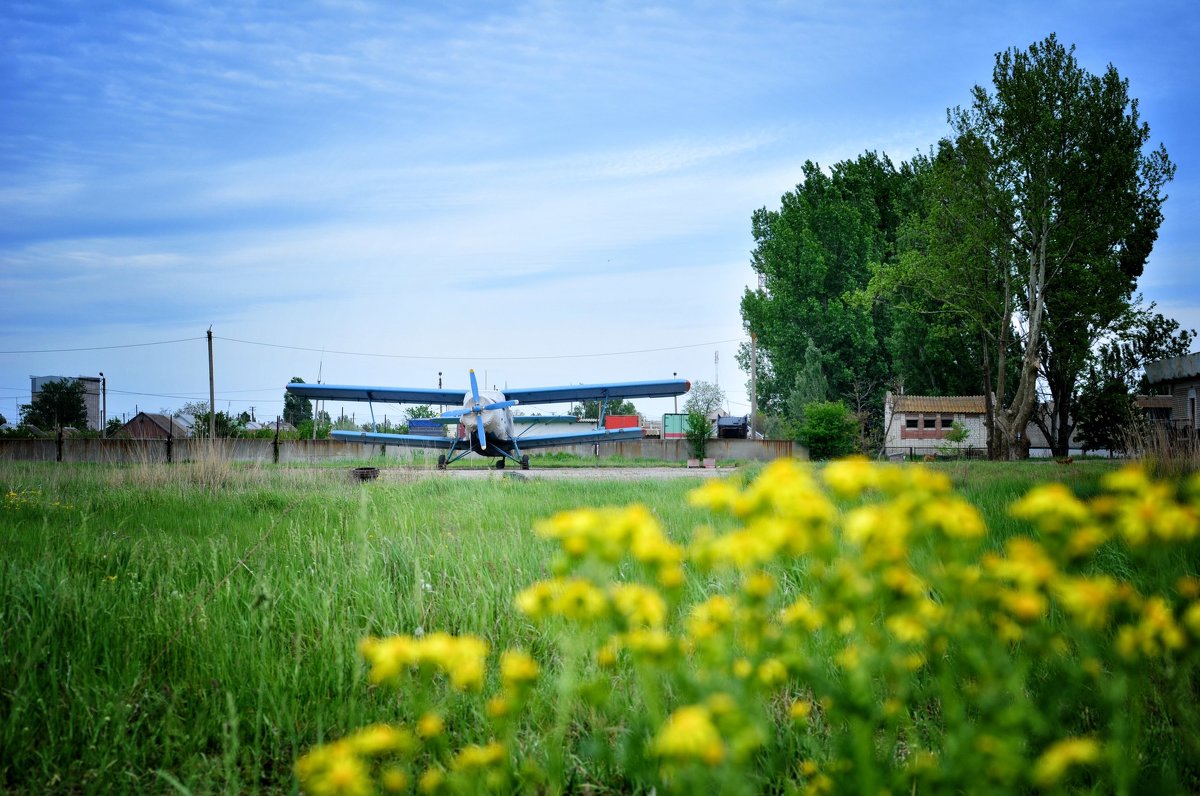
point(127, 451)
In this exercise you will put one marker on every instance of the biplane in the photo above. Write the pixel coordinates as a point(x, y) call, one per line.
point(485, 418)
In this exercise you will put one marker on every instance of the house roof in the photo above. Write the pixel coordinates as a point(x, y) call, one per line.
point(1173, 368)
point(168, 424)
point(941, 404)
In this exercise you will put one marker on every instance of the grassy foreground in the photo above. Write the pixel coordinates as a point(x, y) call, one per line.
point(194, 629)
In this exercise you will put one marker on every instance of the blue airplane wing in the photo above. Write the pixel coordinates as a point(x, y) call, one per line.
point(403, 440)
point(595, 392)
point(533, 420)
point(577, 437)
point(398, 395)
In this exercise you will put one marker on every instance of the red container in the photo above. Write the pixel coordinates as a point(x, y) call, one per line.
point(621, 421)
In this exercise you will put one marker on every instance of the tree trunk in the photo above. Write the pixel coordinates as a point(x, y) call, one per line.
point(1015, 418)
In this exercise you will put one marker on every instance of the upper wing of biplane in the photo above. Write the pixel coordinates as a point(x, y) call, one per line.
point(397, 395)
point(595, 392)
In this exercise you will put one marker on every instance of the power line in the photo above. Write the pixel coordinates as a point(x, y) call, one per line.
point(100, 347)
point(476, 358)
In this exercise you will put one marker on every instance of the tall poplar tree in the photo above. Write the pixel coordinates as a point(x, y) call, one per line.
point(1061, 195)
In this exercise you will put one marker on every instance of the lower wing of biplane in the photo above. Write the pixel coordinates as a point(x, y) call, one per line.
point(486, 416)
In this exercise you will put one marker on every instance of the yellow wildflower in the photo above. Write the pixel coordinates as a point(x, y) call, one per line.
point(717, 494)
point(394, 780)
point(1025, 563)
point(880, 531)
point(346, 776)
point(690, 735)
point(1054, 763)
point(772, 672)
point(388, 657)
point(849, 478)
point(381, 739)
point(1025, 606)
point(1052, 508)
point(474, 757)
point(650, 643)
point(1088, 600)
point(431, 781)
point(710, 617)
point(517, 668)
point(1191, 619)
point(1130, 480)
point(759, 585)
point(641, 606)
point(953, 517)
point(803, 613)
point(498, 707)
point(430, 725)
point(800, 710)
point(1086, 540)
point(907, 629)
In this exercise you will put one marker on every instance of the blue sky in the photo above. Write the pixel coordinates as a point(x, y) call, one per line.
point(532, 189)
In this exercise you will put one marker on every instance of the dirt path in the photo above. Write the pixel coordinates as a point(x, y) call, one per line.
point(561, 473)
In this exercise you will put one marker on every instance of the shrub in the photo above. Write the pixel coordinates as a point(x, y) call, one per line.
point(829, 430)
point(856, 631)
point(698, 430)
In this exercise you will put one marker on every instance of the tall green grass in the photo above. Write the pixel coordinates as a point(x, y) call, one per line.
point(194, 627)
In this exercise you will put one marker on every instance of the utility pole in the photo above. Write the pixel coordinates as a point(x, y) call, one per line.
point(212, 393)
point(103, 406)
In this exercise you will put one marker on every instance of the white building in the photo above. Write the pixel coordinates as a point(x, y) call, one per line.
point(91, 397)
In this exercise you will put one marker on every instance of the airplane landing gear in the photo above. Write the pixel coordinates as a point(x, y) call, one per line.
point(441, 465)
point(525, 462)
point(500, 463)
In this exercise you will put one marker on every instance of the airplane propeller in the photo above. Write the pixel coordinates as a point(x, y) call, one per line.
point(478, 409)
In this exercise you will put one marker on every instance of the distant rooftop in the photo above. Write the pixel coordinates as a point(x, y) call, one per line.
point(939, 404)
point(1173, 368)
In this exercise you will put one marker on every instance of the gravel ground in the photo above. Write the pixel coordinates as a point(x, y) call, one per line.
point(562, 473)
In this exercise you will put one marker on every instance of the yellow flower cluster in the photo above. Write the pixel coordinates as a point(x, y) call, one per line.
point(609, 534)
point(25, 498)
point(345, 767)
point(461, 658)
point(841, 622)
point(690, 735)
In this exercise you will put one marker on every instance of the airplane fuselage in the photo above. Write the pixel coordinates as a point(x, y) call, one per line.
point(497, 423)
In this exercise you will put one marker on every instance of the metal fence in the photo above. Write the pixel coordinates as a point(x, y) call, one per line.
point(917, 453)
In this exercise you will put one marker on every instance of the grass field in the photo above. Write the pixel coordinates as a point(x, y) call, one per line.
point(194, 628)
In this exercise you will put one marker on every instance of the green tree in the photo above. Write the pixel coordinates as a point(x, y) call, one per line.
point(58, 404)
point(1107, 414)
point(227, 425)
point(811, 386)
point(705, 398)
point(295, 408)
point(1056, 166)
point(420, 412)
point(829, 430)
point(815, 258)
point(590, 410)
point(698, 430)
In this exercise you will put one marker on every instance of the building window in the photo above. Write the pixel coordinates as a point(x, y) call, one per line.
point(910, 422)
point(947, 420)
point(931, 422)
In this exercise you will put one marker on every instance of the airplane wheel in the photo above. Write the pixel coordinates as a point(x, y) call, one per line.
point(442, 461)
point(500, 464)
point(525, 462)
